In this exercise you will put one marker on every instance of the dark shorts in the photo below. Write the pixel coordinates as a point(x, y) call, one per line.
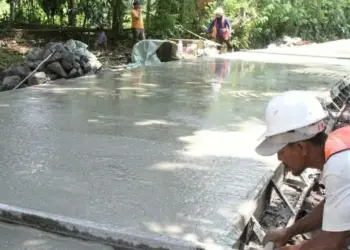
point(138, 34)
point(222, 40)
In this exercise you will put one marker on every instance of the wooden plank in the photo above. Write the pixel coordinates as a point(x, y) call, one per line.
point(258, 230)
point(283, 197)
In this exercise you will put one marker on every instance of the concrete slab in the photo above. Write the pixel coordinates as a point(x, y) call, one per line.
point(161, 151)
point(22, 238)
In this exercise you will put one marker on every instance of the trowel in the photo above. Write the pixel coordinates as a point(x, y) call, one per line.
point(269, 246)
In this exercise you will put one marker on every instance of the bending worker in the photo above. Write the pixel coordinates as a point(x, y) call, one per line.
point(296, 132)
point(220, 28)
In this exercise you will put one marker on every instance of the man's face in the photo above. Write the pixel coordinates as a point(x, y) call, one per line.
point(293, 157)
point(218, 15)
point(137, 6)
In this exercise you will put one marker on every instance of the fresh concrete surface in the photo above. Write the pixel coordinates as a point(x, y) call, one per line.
point(14, 237)
point(163, 150)
point(335, 49)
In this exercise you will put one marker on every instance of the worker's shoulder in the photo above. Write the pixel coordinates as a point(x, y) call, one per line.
point(338, 164)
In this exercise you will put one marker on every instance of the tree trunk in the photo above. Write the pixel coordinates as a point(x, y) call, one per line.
point(148, 14)
point(32, 15)
point(72, 15)
point(86, 9)
point(118, 15)
point(182, 11)
point(12, 10)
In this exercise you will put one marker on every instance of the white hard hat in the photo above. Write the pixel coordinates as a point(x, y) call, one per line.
point(219, 11)
point(290, 117)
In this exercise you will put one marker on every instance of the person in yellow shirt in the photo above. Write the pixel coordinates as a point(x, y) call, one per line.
point(138, 31)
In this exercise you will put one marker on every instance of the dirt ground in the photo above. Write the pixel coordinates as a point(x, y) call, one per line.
point(12, 53)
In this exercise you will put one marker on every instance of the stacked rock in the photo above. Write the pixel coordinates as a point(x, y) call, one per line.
point(69, 60)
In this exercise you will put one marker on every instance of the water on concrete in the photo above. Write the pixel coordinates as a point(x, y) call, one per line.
point(22, 238)
point(166, 149)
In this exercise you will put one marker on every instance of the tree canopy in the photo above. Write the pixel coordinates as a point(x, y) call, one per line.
point(255, 22)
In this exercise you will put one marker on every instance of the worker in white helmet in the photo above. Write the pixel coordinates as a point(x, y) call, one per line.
point(296, 133)
point(220, 29)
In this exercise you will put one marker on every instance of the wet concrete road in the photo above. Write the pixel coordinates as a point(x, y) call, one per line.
point(338, 48)
point(21, 238)
point(165, 149)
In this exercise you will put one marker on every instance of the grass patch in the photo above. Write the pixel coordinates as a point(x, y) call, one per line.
point(11, 58)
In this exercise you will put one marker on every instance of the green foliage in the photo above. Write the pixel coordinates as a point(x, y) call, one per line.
point(255, 23)
point(163, 18)
point(316, 20)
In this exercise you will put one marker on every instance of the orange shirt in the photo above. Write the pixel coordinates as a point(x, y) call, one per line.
point(136, 19)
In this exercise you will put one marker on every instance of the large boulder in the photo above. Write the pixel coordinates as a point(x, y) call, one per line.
point(67, 65)
point(2, 75)
point(35, 54)
point(37, 78)
point(33, 64)
point(86, 67)
point(84, 58)
point(73, 73)
point(80, 71)
point(10, 82)
point(67, 55)
point(52, 76)
point(21, 71)
point(56, 68)
point(76, 65)
point(57, 49)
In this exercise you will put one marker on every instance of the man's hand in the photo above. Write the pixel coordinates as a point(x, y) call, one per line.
point(279, 236)
point(324, 241)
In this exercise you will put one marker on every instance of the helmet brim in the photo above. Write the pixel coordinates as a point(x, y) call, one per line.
point(273, 144)
point(269, 148)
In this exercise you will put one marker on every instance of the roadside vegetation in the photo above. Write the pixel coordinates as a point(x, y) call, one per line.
point(255, 23)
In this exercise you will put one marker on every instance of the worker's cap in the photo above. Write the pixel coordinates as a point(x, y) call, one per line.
point(137, 2)
point(219, 11)
point(273, 144)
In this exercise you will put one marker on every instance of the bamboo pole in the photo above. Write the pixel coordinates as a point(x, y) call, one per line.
point(34, 71)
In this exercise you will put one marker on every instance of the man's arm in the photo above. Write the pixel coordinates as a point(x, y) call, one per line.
point(135, 13)
point(324, 241)
point(228, 25)
point(210, 26)
point(310, 222)
point(336, 217)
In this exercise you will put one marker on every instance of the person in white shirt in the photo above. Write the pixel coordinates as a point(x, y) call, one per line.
point(296, 133)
